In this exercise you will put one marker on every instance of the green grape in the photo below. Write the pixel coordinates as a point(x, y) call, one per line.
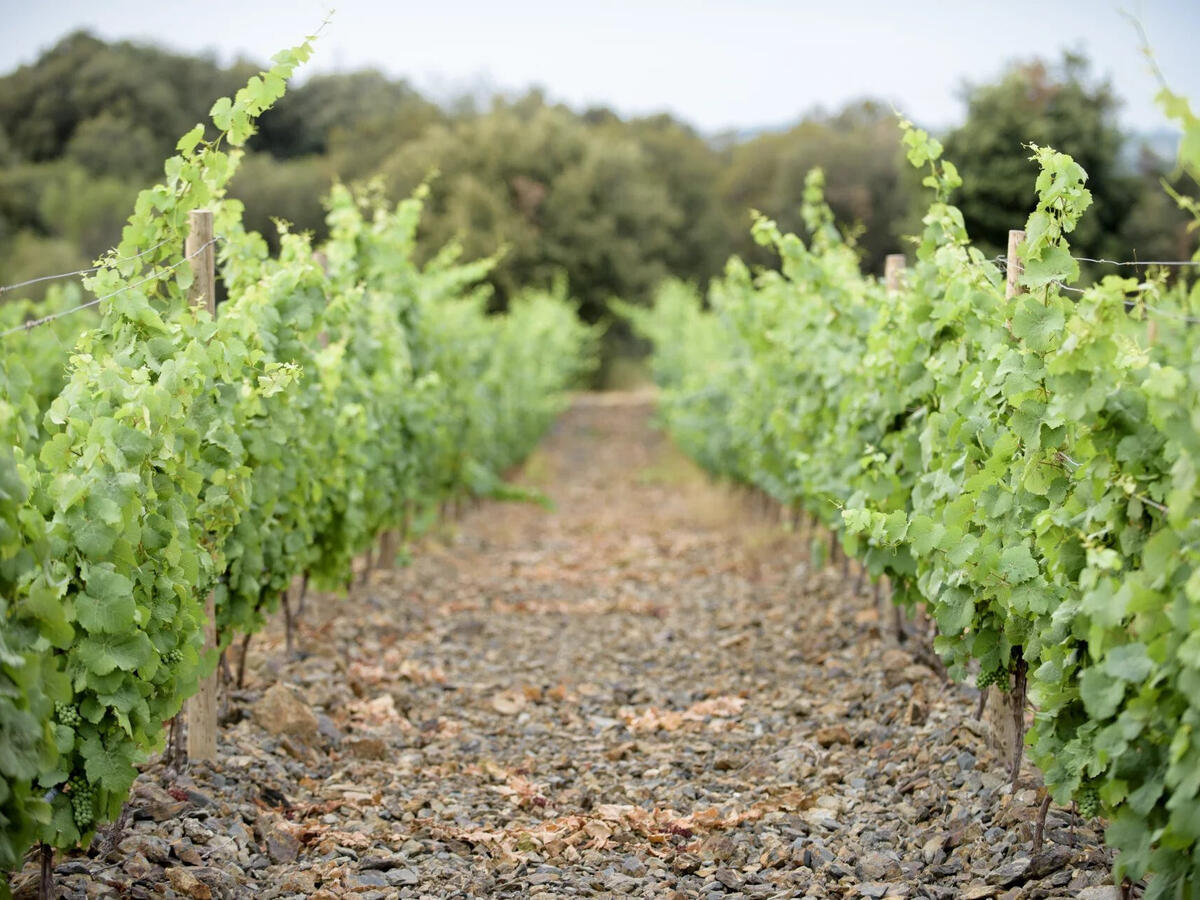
point(66, 714)
point(83, 802)
point(993, 678)
point(1087, 800)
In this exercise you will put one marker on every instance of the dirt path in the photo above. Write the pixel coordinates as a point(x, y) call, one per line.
point(638, 693)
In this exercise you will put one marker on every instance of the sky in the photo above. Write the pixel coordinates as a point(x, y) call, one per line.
point(728, 65)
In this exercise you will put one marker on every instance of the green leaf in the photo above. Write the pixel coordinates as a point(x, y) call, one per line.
point(110, 766)
point(923, 534)
point(1128, 662)
point(1040, 326)
point(1054, 265)
point(1017, 564)
point(188, 142)
point(102, 654)
point(94, 539)
point(1101, 694)
point(221, 113)
point(108, 606)
point(22, 748)
point(1164, 381)
point(955, 613)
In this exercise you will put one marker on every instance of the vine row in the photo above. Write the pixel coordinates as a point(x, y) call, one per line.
point(1026, 467)
point(159, 454)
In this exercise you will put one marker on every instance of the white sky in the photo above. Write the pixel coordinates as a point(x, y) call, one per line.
point(716, 64)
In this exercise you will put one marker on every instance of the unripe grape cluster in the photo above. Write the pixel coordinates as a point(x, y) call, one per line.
point(1087, 801)
point(997, 677)
point(173, 657)
point(66, 713)
point(82, 802)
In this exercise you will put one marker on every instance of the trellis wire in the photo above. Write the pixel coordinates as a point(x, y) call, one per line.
point(5, 288)
point(44, 320)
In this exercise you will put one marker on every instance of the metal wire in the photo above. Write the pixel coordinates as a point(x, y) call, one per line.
point(1002, 261)
point(1129, 304)
point(44, 320)
point(1064, 287)
point(1182, 317)
point(4, 288)
point(1138, 262)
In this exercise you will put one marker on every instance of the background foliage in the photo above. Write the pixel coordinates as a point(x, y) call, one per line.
point(614, 203)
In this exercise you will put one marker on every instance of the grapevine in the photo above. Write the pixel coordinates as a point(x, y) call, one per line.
point(171, 454)
point(1026, 467)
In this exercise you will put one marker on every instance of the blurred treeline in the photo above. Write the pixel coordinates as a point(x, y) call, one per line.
point(615, 203)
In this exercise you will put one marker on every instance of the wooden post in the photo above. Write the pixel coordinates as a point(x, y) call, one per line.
point(893, 270)
point(893, 273)
point(1012, 288)
point(1004, 709)
point(202, 708)
point(388, 547)
point(46, 879)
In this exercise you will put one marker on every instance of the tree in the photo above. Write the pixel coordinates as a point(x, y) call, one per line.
point(311, 114)
point(1057, 106)
point(690, 170)
point(553, 192)
point(1157, 227)
point(292, 190)
point(866, 184)
point(157, 95)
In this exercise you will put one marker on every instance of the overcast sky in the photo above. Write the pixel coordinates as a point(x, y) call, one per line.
point(716, 64)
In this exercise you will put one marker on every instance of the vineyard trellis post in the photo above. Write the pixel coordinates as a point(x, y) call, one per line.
point(1004, 710)
point(893, 271)
point(389, 545)
point(202, 707)
point(1013, 270)
point(894, 265)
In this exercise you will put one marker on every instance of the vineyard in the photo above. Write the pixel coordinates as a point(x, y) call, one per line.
point(641, 679)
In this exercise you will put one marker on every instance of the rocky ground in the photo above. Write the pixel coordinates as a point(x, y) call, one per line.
point(643, 692)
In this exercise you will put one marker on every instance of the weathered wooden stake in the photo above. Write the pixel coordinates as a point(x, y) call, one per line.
point(202, 708)
point(241, 669)
point(1014, 268)
point(289, 623)
point(302, 601)
point(1004, 711)
point(46, 876)
point(893, 271)
point(388, 546)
